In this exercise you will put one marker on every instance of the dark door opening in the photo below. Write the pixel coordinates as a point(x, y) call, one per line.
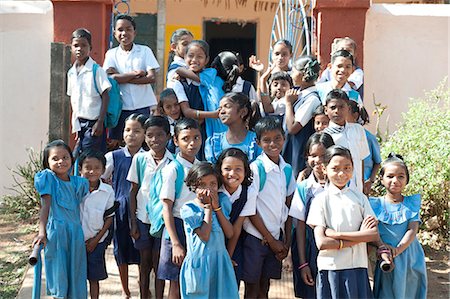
point(232, 37)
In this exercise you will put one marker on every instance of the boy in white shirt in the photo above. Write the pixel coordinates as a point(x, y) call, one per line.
point(269, 231)
point(350, 135)
point(96, 211)
point(133, 67)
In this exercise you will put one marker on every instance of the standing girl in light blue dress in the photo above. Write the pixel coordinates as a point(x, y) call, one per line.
point(398, 223)
point(207, 271)
point(60, 230)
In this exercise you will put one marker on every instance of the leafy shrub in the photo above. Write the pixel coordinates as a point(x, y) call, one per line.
point(26, 201)
point(423, 139)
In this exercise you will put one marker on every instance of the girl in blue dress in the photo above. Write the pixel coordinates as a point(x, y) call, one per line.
point(237, 115)
point(398, 223)
point(207, 271)
point(60, 230)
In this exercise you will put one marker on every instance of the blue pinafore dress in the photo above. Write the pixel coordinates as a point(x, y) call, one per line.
point(124, 250)
point(65, 252)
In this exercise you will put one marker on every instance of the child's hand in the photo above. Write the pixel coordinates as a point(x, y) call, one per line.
point(40, 239)
point(111, 71)
point(178, 254)
point(306, 275)
point(395, 252)
point(255, 64)
point(203, 195)
point(91, 244)
point(331, 233)
point(134, 232)
point(214, 200)
point(278, 248)
point(97, 128)
point(367, 187)
point(292, 95)
point(368, 223)
point(287, 263)
point(140, 73)
point(282, 254)
point(176, 76)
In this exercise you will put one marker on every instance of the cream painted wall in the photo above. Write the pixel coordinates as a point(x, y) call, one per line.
point(26, 32)
point(406, 51)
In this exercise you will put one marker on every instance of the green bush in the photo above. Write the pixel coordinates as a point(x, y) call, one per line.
point(25, 201)
point(423, 139)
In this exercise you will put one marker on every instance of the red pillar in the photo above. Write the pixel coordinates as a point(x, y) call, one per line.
point(94, 15)
point(340, 18)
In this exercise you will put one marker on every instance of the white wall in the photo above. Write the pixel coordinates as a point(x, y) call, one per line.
point(26, 33)
point(406, 51)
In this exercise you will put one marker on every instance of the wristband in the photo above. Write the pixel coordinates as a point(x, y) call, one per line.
point(264, 94)
point(218, 209)
point(198, 114)
point(341, 244)
point(303, 265)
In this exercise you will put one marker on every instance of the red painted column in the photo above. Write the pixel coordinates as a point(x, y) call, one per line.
point(340, 18)
point(94, 15)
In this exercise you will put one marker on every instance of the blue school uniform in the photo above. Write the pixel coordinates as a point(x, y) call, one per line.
point(218, 142)
point(374, 157)
point(124, 250)
point(207, 271)
point(65, 253)
point(409, 277)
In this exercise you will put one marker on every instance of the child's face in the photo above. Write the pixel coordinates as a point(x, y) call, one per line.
point(394, 178)
point(80, 48)
point(341, 69)
point(189, 142)
point(196, 58)
point(124, 32)
point(321, 122)
point(92, 169)
point(339, 171)
point(278, 88)
point(272, 143)
point(297, 77)
point(208, 182)
point(171, 107)
point(133, 134)
point(233, 173)
point(59, 161)
point(281, 56)
point(230, 112)
point(337, 111)
point(315, 158)
point(180, 46)
point(156, 139)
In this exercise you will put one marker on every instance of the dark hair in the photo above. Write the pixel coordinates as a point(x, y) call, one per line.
point(240, 155)
point(141, 118)
point(126, 17)
point(174, 38)
point(239, 58)
point(320, 110)
point(92, 154)
point(200, 43)
point(227, 66)
point(165, 94)
point(185, 124)
point(83, 33)
point(280, 76)
point(244, 102)
point(285, 42)
point(394, 158)
point(337, 94)
point(322, 138)
point(158, 121)
point(48, 147)
point(266, 124)
point(200, 170)
point(363, 117)
point(342, 53)
point(336, 150)
point(309, 66)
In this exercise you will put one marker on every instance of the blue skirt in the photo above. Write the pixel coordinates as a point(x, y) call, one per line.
point(124, 250)
point(349, 283)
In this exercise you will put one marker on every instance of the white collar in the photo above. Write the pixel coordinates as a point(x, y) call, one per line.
point(102, 187)
point(179, 60)
point(185, 162)
point(133, 49)
point(225, 191)
point(334, 125)
point(127, 152)
point(269, 165)
point(88, 66)
point(332, 189)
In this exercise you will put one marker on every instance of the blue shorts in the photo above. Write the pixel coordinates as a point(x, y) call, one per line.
point(166, 269)
point(117, 132)
point(259, 261)
point(96, 266)
point(87, 141)
point(146, 241)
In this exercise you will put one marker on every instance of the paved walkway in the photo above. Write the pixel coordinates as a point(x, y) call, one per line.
point(111, 287)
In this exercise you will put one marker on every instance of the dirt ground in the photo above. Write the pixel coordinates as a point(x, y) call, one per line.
point(16, 237)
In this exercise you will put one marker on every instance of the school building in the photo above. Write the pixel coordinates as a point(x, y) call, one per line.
point(402, 47)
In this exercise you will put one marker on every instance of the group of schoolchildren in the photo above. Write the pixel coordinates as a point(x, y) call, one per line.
point(218, 182)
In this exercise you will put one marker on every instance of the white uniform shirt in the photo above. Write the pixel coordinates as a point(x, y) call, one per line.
point(134, 96)
point(279, 106)
point(109, 169)
point(179, 89)
point(298, 209)
point(250, 206)
point(304, 112)
point(169, 176)
point(343, 211)
point(239, 87)
point(325, 87)
point(85, 100)
point(151, 168)
point(93, 207)
point(180, 61)
point(271, 201)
